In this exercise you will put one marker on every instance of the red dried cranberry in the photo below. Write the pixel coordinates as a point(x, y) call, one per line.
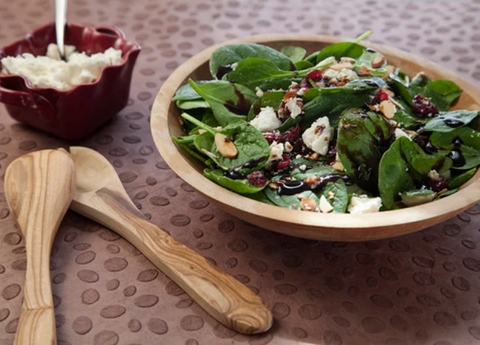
point(272, 136)
point(380, 96)
point(424, 106)
point(257, 179)
point(315, 76)
point(284, 163)
point(438, 184)
point(291, 134)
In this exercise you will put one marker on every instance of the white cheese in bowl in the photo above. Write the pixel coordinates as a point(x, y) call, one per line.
point(51, 71)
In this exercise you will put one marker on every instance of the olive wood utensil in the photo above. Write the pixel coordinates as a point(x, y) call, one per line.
point(39, 187)
point(100, 196)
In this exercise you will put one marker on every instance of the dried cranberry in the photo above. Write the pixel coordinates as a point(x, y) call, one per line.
point(315, 76)
point(424, 106)
point(291, 134)
point(257, 179)
point(284, 163)
point(299, 147)
point(272, 136)
point(438, 184)
point(380, 96)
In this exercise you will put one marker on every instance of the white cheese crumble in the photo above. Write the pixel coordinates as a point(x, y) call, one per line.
point(331, 74)
point(276, 151)
point(266, 120)
point(302, 167)
point(234, 66)
point(364, 204)
point(318, 136)
point(400, 133)
point(50, 71)
point(258, 92)
point(294, 107)
point(347, 75)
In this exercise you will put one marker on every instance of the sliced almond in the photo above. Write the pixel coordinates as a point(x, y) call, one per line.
point(308, 204)
point(395, 103)
point(337, 166)
point(325, 206)
point(388, 109)
point(389, 92)
point(347, 59)
point(390, 69)
point(314, 156)
point(225, 146)
point(364, 71)
point(340, 66)
point(378, 61)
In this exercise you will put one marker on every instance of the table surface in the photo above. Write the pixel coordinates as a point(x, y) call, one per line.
point(422, 288)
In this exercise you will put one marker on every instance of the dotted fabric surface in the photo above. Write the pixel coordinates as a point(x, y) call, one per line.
point(417, 289)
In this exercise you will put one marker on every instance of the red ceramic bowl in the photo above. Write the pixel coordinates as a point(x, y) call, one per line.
point(75, 113)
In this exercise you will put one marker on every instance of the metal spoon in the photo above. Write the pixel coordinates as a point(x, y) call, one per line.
point(39, 187)
point(60, 24)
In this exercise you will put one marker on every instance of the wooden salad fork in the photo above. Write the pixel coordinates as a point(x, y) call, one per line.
point(100, 196)
point(39, 187)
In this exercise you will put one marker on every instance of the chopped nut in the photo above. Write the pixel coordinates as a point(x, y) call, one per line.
point(364, 71)
point(325, 206)
point(308, 204)
point(338, 166)
point(314, 156)
point(225, 146)
point(374, 107)
point(378, 61)
point(288, 147)
point(390, 69)
point(398, 105)
point(442, 191)
point(340, 66)
point(331, 195)
point(388, 109)
point(312, 180)
point(273, 185)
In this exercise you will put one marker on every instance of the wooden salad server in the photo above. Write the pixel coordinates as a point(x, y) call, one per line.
point(100, 196)
point(39, 187)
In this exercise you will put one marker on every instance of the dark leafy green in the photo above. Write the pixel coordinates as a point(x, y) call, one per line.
point(361, 136)
point(366, 60)
point(303, 64)
point(229, 102)
point(232, 53)
point(269, 99)
point(260, 196)
point(289, 201)
point(187, 93)
point(467, 136)
point(295, 54)
point(339, 50)
point(239, 186)
point(423, 163)
point(449, 121)
point(340, 196)
point(195, 104)
point(461, 179)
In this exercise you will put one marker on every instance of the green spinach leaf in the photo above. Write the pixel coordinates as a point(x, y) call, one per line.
point(289, 201)
point(467, 136)
point(269, 99)
point(187, 93)
point(229, 102)
point(449, 121)
point(461, 179)
point(195, 104)
point(303, 64)
point(423, 163)
point(239, 186)
point(366, 59)
point(340, 196)
point(339, 50)
point(295, 54)
point(444, 93)
point(229, 54)
point(260, 196)
point(298, 174)
point(360, 138)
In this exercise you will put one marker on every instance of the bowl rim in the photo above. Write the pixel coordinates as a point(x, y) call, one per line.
point(468, 195)
point(136, 48)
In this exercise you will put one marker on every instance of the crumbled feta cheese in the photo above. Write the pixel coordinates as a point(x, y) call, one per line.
point(302, 91)
point(325, 206)
point(338, 164)
point(266, 120)
point(50, 71)
point(318, 136)
point(347, 59)
point(258, 92)
point(433, 174)
point(288, 147)
point(276, 151)
point(347, 75)
point(302, 167)
point(400, 133)
point(331, 195)
point(331, 74)
point(298, 156)
point(364, 204)
point(294, 107)
point(234, 66)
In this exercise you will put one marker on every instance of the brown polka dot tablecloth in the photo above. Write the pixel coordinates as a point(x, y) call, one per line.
point(418, 289)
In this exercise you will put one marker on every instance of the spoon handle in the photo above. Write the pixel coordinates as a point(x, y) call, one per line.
point(221, 295)
point(60, 23)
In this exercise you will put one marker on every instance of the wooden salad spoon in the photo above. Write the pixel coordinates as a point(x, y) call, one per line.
point(39, 187)
point(100, 196)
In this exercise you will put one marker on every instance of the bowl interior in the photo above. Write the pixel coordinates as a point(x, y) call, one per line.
point(338, 227)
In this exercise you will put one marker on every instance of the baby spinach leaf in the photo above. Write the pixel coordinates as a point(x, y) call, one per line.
point(423, 163)
point(332, 102)
point(195, 104)
point(360, 138)
point(312, 58)
point(228, 101)
point(467, 136)
point(187, 93)
point(289, 201)
point(395, 173)
point(269, 99)
point(401, 87)
point(194, 154)
point(461, 179)
point(303, 64)
point(340, 196)
point(471, 157)
point(186, 140)
point(294, 53)
point(443, 93)
point(229, 54)
point(256, 72)
point(250, 143)
point(366, 59)
point(298, 174)
point(447, 193)
point(239, 186)
point(339, 50)
point(449, 121)
point(203, 142)
point(406, 118)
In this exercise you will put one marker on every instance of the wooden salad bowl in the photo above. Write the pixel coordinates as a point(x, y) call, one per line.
point(330, 227)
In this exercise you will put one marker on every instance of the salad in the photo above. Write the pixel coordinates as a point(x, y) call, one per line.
point(340, 130)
